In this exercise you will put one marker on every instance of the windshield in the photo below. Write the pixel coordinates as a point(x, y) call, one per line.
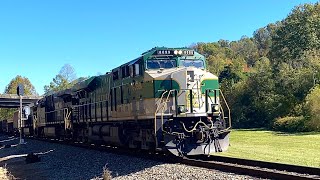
point(157, 64)
point(195, 63)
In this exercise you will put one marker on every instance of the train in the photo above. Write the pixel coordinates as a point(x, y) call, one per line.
point(10, 126)
point(164, 100)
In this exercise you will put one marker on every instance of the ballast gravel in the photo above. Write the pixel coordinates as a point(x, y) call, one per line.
point(67, 162)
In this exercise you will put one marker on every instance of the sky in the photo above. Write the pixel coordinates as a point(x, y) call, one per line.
point(38, 37)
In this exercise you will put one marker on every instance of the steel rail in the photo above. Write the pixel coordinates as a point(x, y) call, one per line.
point(248, 170)
point(264, 164)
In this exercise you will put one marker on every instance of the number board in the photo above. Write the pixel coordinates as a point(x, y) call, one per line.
point(164, 52)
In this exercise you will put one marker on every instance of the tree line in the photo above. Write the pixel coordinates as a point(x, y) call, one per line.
point(272, 79)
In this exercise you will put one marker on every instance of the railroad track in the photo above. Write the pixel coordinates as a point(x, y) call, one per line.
point(257, 168)
point(253, 168)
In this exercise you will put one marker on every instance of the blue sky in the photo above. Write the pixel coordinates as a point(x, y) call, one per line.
point(38, 37)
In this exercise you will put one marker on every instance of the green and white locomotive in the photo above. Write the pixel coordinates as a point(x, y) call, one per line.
point(163, 100)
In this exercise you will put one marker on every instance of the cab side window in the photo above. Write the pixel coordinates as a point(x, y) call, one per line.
point(137, 69)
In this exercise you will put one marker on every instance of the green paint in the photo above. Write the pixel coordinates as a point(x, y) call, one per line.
point(160, 85)
point(209, 84)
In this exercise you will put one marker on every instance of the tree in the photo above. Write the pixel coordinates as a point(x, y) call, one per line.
point(64, 80)
point(253, 100)
point(233, 72)
point(299, 32)
point(11, 88)
point(218, 55)
point(245, 48)
point(68, 73)
point(263, 40)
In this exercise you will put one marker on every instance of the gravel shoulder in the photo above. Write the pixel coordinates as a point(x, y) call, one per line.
point(67, 162)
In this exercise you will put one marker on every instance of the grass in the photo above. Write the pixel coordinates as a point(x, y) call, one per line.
point(298, 149)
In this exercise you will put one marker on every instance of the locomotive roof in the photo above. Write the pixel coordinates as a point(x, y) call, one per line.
point(89, 84)
point(144, 56)
point(151, 51)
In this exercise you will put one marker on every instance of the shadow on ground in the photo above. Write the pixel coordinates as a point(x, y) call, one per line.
point(66, 162)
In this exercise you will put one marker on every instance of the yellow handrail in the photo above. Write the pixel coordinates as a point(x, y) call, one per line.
point(156, 112)
point(229, 112)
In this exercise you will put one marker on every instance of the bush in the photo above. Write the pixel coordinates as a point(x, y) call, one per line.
point(312, 109)
point(290, 124)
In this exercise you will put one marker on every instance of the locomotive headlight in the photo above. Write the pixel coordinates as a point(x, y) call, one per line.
point(181, 109)
point(175, 52)
point(215, 108)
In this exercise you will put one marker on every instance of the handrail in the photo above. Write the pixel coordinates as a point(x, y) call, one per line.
point(195, 126)
point(161, 108)
point(229, 111)
point(35, 122)
point(67, 121)
point(160, 101)
point(172, 90)
point(156, 112)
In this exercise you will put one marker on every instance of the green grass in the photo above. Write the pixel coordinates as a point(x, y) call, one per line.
point(298, 149)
